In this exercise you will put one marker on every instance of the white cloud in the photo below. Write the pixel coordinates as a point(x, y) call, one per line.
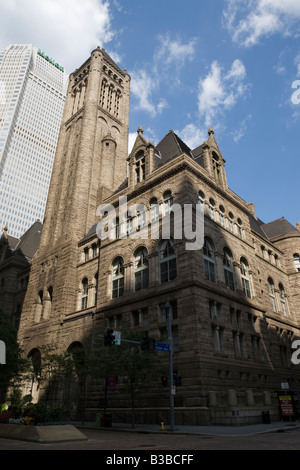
point(142, 87)
point(67, 30)
point(174, 51)
point(192, 135)
point(241, 130)
point(219, 91)
point(168, 58)
point(249, 21)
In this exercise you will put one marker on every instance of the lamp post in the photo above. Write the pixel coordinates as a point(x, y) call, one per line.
point(170, 339)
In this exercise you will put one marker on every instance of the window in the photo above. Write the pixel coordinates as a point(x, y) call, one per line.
point(216, 167)
point(128, 223)
point(141, 269)
point(297, 261)
point(84, 293)
point(95, 288)
point(86, 254)
point(282, 300)
point(240, 228)
point(117, 278)
point(154, 209)
point(245, 278)
point(272, 294)
point(141, 218)
point(95, 250)
point(230, 221)
point(228, 269)
point(139, 317)
point(201, 198)
point(167, 261)
point(221, 216)
point(168, 202)
point(212, 209)
point(217, 339)
point(140, 167)
point(165, 309)
point(238, 344)
point(209, 260)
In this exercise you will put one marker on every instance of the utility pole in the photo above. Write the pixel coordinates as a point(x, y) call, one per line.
point(170, 339)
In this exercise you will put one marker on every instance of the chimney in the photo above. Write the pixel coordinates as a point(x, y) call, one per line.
point(251, 208)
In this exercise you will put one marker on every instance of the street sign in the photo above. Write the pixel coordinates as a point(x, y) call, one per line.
point(117, 335)
point(162, 347)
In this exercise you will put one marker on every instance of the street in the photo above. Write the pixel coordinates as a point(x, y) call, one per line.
point(138, 442)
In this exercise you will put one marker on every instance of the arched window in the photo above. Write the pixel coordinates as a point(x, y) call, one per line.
point(154, 209)
point(228, 269)
point(222, 216)
point(283, 300)
point(141, 269)
point(168, 202)
point(209, 260)
point(272, 294)
point(216, 167)
point(297, 261)
point(212, 209)
point(201, 198)
point(41, 295)
point(230, 221)
point(167, 261)
point(240, 228)
point(140, 169)
point(117, 278)
point(84, 293)
point(245, 277)
point(129, 223)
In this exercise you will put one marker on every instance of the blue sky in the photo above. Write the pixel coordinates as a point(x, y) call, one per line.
point(227, 64)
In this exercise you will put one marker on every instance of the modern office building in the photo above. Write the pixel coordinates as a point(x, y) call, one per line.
point(32, 96)
point(229, 309)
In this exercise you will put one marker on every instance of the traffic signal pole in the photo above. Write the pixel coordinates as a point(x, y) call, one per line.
point(170, 338)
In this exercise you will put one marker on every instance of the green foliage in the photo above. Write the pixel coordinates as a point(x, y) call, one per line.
point(16, 365)
point(44, 413)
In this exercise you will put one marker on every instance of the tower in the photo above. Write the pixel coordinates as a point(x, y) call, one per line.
point(90, 163)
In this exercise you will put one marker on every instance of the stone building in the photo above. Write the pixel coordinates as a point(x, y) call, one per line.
point(234, 301)
point(16, 255)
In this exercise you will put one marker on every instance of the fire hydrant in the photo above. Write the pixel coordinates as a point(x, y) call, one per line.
point(162, 428)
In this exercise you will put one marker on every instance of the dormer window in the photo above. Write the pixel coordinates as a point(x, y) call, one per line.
point(140, 168)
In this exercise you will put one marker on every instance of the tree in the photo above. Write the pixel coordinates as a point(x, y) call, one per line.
point(11, 373)
point(139, 368)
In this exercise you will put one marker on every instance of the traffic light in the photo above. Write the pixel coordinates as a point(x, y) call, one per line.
point(147, 344)
point(164, 381)
point(109, 338)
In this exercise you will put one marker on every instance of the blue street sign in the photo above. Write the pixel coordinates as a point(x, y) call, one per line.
point(162, 347)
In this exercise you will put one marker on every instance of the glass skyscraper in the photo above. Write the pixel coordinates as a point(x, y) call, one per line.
point(32, 95)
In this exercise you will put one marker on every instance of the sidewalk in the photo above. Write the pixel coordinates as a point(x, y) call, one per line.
point(280, 426)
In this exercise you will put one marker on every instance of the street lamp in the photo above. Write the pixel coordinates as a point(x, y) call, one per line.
point(170, 339)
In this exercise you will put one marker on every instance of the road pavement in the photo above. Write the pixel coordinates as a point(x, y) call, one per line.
point(115, 442)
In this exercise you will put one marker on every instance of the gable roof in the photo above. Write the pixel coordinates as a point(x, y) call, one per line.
point(171, 146)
